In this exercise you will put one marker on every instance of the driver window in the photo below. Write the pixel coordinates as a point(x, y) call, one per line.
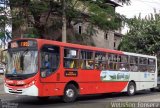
point(49, 59)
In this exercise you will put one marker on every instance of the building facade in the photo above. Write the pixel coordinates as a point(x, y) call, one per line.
point(101, 38)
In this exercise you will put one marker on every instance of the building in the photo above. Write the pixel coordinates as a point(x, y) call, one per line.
point(104, 39)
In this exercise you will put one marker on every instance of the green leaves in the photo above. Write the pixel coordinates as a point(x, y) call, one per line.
point(4, 22)
point(104, 16)
point(143, 36)
point(44, 14)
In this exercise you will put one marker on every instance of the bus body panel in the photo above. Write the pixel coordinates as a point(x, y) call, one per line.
point(89, 81)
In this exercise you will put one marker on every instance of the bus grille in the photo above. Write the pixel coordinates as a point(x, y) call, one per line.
point(15, 85)
point(15, 91)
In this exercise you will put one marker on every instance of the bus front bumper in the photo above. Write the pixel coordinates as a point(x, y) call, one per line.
point(30, 91)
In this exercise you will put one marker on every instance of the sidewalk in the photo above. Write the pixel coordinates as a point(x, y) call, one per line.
point(1, 79)
point(1, 84)
point(1, 89)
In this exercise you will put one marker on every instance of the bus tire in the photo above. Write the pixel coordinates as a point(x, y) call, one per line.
point(152, 89)
point(70, 93)
point(131, 90)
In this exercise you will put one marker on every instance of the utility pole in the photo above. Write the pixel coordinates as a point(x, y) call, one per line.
point(64, 27)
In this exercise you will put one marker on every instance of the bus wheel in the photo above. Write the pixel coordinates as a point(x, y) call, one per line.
point(70, 93)
point(131, 89)
point(152, 89)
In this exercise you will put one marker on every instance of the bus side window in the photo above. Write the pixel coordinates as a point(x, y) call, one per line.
point(100, 60)
point(86, 60)
point(151, 65)
point(123, 63)
point(70, 58)
point(113, 61)
point(133, 63)
point(143, 64)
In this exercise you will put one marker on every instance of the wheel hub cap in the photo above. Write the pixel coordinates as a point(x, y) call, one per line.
point(131, 89)
point(69, 92)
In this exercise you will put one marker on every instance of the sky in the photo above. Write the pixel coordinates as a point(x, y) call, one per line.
point(145, 7)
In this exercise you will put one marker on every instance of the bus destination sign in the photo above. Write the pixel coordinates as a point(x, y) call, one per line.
point(23, 43)
point(71, 73)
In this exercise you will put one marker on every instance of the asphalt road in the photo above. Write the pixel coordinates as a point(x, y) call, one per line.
point(92, 101)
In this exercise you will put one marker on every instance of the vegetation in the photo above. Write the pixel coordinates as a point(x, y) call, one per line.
point(45, 15)
point(4, 20)
point(143, 36)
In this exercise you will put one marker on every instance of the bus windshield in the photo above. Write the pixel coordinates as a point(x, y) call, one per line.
point(22, 62)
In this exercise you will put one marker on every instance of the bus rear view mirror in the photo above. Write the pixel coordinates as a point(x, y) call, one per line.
point(3, 57)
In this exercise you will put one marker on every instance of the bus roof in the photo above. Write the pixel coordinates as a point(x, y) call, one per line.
point(139, 55)
point(71, 45)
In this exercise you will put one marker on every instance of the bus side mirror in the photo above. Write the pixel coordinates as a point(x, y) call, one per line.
point(3, 57)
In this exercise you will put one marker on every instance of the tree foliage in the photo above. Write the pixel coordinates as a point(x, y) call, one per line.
point(45, 14)
point(143, 36)
point(4, 22)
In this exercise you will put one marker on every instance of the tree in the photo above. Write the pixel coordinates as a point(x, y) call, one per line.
point(4, 22)
point(64, 27)
point(143, 36)
point(94, 11)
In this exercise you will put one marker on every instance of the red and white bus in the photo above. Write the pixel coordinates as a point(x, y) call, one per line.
point(43, 68)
